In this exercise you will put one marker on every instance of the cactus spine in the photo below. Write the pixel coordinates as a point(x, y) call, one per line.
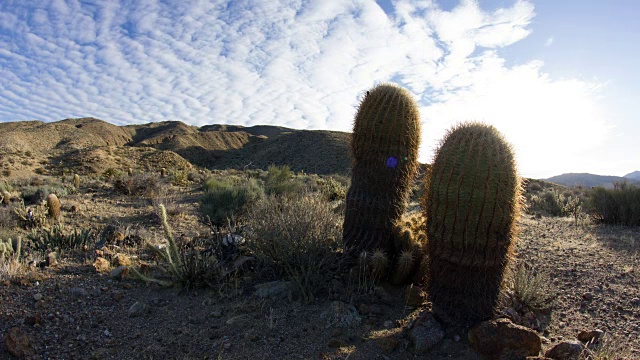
point(384, 146)
point(473, 200)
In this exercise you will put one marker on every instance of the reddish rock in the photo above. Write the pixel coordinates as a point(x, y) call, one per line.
point(502, 339)
point(17, 343)
point(590, 336)
point(566, 350)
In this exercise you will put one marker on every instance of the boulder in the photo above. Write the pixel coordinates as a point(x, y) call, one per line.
point(502, 339)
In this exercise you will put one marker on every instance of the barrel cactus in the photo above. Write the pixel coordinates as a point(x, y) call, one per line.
point(76, 181)
point(53, 203)
point(472, 203)
point(384, 146)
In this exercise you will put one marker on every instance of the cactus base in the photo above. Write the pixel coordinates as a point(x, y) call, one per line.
point(463, 294)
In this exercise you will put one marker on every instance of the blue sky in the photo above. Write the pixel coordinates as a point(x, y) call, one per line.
point(558, 78)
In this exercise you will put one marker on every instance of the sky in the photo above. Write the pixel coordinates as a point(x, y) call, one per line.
point(558, 78)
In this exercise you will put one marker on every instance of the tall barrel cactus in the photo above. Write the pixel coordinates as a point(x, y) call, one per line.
point(386, 136)
point(472, 203)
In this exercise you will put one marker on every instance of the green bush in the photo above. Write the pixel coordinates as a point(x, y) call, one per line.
point(298, 237)
point(280, 181)
point(618, 206)
point(549, 202)
point(228, 197)
point(36, 194)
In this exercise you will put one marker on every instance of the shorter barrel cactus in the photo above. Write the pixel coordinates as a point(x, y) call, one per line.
point(472, 202)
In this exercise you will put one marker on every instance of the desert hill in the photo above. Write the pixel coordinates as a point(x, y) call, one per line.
point(86, 145)
point(634, 175)
point(589, 180)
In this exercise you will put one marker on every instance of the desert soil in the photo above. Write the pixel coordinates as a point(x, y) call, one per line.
point(70, 311)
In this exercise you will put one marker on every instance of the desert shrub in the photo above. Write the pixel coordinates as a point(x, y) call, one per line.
point(332, 189)
point(35, 194)
point(57, 238)
point(111, 173)
point(188, 263)
point(298, 237)
point(280, 181)
point(606, 347)
point(549, 202)
point(534, 187)
point(529, 287)
point(6, 172)
point(228, 197)
point(179, 178)
point(617, 206)
point(141, 185)
point(8, 218)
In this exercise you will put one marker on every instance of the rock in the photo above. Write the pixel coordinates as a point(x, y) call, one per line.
point(387, 344)
point(216, 313)
point(102, 265)
point(138, 309)
point(52, 259)
point(414, 296)
point(502, 339)
point(341, 315)
point(32, 320)
point(119, 273)
point(426, 333)
point(121, 260)
point(17, 343)
point(566, 350)
point(587, 296)
point(78, 291)
point(512, 314)
point(37, 297)
point(337, 343)
point(590, 336)
point(274, 289)
point(236, 319)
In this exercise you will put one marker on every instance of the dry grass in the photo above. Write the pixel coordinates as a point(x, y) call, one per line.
point(608, 348)
point(530, 287)
point(299, 237)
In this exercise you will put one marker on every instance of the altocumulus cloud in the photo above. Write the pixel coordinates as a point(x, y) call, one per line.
point(299, 63)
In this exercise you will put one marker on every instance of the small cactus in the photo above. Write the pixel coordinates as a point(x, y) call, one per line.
point(5, 197)
point(11, 248)
point(54, 206)
point(76, 181)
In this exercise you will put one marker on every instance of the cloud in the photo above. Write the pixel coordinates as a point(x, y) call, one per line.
point(288, 63)
point(549, 42)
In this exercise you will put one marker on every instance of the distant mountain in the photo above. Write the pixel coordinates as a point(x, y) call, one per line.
point(634, 175)
point(589, 180)
point(89, 145)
